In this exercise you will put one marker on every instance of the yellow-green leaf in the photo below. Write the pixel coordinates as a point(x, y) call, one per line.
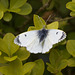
point(13, 68)
point(10, 58)
point(22, 54)
point(71, 62)
point(31, 28)
point(14, 4)
point(71, 47)
point(11, 46)
point(7, 16)
point(53, 25)
point(38, 22)
point(1, 14)
point(38, 68)
point(71, 6)
point(72, 13)
point(25, 9)
point(28, 67)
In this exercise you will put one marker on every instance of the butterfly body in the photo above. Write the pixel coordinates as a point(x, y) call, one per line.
point(40, 41)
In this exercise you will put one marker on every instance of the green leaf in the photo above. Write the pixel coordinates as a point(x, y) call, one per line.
point(28, 67)
point(5, 3)
point(73, 0)
point(38, 68)
point(54, 55)
point(1, 14)
point(39, 22)
point(7, 44)
point(7, 17)
point(13, 68)
point(72, 13)
point(50, 68)
point(2, 7)
point(53, 25)
point(25, 9)
point(62, 65)
point(14, 10)
point(31, 28)
point(57, 61)
point(71, 6)
point(22, 54)
point(71, 47)
point(9, 40)
point(10, 58)
point(14, 4)
point(2, 60)
point(71, 62)
point(59, 73)
point(0, 53)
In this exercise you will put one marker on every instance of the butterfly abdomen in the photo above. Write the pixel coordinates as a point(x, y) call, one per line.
point(42, 34)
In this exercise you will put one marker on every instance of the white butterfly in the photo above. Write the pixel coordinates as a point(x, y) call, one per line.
point(40, 41)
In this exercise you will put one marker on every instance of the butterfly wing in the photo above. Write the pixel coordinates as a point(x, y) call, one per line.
point(26, 38)
point(56, 36)
point(29, 40)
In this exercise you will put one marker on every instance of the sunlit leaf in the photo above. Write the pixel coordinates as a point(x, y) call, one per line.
point(71, 6)
point(1, 14)
point(14, 4)
point(38, 22)
point(53, 25)
point(71, 47)
point(72, 13)
point(10, 58)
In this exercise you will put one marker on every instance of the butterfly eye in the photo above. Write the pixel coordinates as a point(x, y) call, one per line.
point(56, 32)
point(25, 35)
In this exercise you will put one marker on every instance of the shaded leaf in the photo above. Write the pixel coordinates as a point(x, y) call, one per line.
point(22, 54)
point(5, 3)
point(7, 16)
point(28, 67)
point(38, 68)
point(71, 62)
point(50, 68)
point(13, 68)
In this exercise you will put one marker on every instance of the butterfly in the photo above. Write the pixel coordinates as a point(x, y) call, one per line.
point(40, 41)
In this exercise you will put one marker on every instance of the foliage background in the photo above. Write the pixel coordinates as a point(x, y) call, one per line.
point(17, 16)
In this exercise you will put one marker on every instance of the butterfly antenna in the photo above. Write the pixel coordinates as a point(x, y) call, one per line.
point(48, 19)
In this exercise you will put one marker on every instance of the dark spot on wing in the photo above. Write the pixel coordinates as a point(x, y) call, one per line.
point(42, 34)
point(63, 35)
point(56, 32)
point(25, 35)
point(17, 40)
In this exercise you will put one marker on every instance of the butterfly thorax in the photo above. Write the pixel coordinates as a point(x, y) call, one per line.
point(42, 34)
